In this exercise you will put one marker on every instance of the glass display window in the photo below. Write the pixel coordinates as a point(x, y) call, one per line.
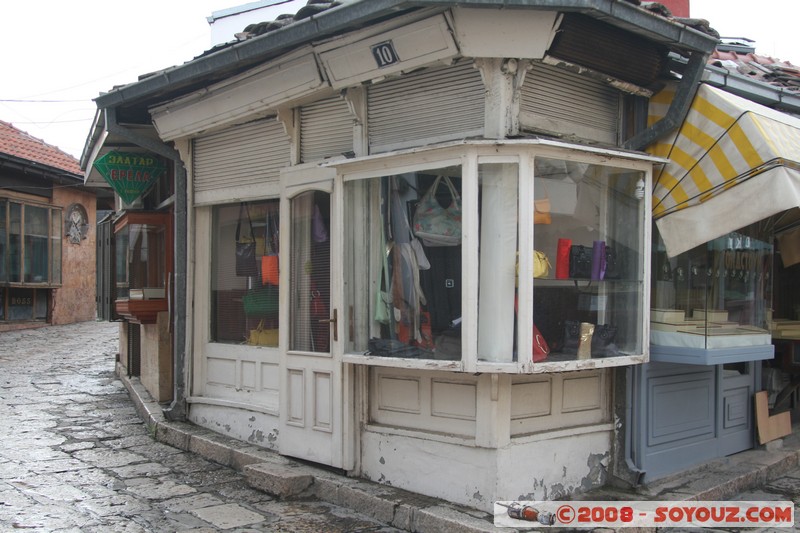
point(143, 253)
point(715, 296)
point(516, 259)
point(30, 244)
point(245, 246)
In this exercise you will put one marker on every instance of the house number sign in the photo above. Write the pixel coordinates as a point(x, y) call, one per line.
point(384, 54)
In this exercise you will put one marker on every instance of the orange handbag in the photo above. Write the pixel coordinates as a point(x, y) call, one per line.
point(269, 270)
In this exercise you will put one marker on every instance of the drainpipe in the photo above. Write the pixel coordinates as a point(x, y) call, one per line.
point(177, 410)
point(624, 469)
point(679, 106)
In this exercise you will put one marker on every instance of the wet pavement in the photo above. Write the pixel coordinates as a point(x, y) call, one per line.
point(76, 457)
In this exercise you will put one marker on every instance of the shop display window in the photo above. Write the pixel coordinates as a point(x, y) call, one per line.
point(438, 256)
point(715, 296)
point(30, 244)
point(245, 245)
point(143, 252)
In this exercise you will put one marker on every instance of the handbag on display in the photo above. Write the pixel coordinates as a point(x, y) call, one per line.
point(562, 258)
point(572, 337)
point(603, 341)
point(541, 211)
point(580, 262)
point(598, 260)
point(613, 263)
point(540, 348)
point(436, 225)
point(270, 273)
point(541, 266)
point(261, 301)
point(541, 208)
point(262, 336)
point(318, 230)
point(245, 247)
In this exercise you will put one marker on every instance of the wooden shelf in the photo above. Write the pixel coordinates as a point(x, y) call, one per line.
point(140, 311)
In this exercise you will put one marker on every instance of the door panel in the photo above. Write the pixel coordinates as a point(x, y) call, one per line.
point(737, 386)
point(311, 409)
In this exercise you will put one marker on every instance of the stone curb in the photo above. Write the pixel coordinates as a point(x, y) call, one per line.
point(287, 479)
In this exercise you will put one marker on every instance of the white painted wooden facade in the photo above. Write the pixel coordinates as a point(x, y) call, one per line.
point(471, 431)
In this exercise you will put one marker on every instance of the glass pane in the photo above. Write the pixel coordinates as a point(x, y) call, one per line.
point(589, 304)
point(3, 247)
point(15, 243)
point(310, 273)
point(55, 246)
point(147, 268)
point(244, 300)
point(716, 295)
point(404, 284)
point(499, 198)
point(20, 304)
point(40, 303)
point(37, 244)
point(121, 240)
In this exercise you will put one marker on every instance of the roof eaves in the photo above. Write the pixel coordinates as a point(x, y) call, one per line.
point(46, 170)
point(352, 15)
point(752, 89)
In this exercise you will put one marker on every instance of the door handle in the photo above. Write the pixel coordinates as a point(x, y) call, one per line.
point(335, 321)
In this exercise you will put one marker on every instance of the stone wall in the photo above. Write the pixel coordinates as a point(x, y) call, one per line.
point(74, 301)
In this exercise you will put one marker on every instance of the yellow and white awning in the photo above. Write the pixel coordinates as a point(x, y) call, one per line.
point(732, 162)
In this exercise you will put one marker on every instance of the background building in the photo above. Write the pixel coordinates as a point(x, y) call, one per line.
point(47, 234)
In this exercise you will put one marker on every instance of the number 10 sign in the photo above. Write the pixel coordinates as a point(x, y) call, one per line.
point(384, 54)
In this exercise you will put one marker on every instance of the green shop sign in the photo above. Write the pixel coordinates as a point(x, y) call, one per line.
point(130, 174)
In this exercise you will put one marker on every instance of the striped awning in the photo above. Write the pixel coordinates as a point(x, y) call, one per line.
point(732, 162)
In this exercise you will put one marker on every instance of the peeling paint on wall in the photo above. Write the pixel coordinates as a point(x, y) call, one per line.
point(598, 471)
point(256, 436)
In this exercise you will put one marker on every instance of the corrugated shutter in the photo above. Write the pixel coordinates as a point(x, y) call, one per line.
point(233, 161)
point(555, 100)
point(326, 130)
point(431, 106)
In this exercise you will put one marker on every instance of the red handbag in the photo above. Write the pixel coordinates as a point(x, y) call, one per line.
point(540, 348)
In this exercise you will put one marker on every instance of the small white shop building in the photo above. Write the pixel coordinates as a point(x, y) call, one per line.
point(413, 238)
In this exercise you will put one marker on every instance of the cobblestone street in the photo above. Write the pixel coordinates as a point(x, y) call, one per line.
point(75, 457)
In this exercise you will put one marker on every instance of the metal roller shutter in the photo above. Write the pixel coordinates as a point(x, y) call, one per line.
point(231, 163)
point(431, 106)
point(326, 130)
point(555, 100)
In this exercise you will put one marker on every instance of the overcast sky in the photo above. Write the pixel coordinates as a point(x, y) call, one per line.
point(58, 55)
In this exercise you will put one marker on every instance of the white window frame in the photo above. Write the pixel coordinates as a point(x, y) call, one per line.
point(469, 155)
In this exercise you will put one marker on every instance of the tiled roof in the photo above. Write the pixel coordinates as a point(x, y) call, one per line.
point(763, 68)
point(16, 143)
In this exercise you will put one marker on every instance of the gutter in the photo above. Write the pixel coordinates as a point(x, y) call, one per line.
point(177, 409)
point(359, 12)
point(754, 90)
point(678, 108)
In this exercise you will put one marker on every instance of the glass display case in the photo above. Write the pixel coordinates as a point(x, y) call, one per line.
point(528, 260)
point(143, 254)
point(712, 304)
